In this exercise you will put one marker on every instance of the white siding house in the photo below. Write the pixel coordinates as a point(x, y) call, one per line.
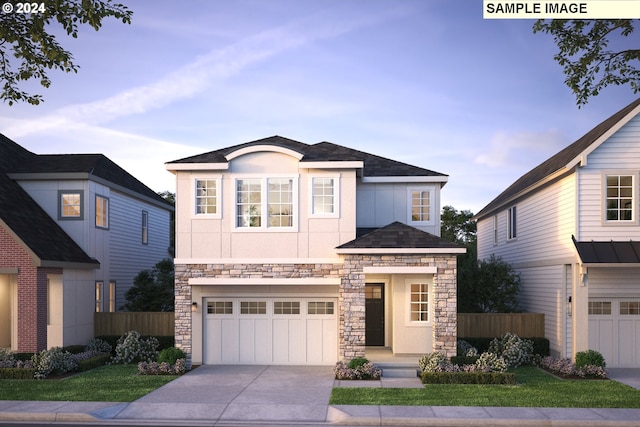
point(290, 253)
point(75, 229)
point(571, 228)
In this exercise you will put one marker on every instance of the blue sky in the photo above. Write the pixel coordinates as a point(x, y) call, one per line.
point(429, 83)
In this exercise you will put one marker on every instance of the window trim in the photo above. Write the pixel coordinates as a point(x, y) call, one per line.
point(432, 207)
point(512, 223)
point(106, 216)
point(336, 196)
point(634, 198)
point(264, 203)
point(194, 197)
point(62, 217)
point(430, 312)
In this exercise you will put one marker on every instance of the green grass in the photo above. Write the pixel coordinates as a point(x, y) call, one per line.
point(535, 389)
point(113, 383)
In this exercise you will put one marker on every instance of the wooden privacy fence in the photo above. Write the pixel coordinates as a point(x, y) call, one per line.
point(147, 323)
point(489, 325)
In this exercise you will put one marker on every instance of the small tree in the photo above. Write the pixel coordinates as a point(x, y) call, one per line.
point(152, 290)
point(488, 286)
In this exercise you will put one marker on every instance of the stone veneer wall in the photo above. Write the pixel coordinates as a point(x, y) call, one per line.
point(351, 294)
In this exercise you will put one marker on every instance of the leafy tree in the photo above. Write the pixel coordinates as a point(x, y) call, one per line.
point(588, 63)
point(26, 39)
point(152, 290)
point(488, 286)
point(457, 226)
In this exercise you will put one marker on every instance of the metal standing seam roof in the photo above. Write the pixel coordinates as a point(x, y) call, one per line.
point(612, 252)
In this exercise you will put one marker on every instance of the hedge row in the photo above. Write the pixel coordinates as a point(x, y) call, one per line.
point(17, 373)
point(93, 362)
point(494, 378)
point(163, 341)
point(541, 346)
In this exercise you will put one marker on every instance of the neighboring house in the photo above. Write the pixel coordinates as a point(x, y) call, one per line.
point(571, 228)
point(75, 229)
point(289, 253)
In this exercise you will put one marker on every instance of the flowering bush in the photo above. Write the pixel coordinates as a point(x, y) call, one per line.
point(366, 371)
point(131, 348)
point(465, 349)
point(435, 362)
point(162, 368)
point(491, 362)
point(566, 367)
point(54, 360)
point(438, 362)
point(514, 350)
point(99, 346)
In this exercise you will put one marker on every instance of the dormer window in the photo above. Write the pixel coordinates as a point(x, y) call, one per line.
point(70, 204)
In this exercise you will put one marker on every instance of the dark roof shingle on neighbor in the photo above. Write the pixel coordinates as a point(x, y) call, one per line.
point(557, 161)
point(398, 236)
point(374, 166)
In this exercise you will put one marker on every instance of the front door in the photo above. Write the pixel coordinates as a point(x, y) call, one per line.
point(374, 314)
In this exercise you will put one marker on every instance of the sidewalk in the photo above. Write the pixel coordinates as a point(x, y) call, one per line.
point(227, 395)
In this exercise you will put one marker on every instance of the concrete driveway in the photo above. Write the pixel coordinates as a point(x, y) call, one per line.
point(240, 393)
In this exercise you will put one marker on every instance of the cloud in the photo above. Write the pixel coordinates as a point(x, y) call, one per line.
point(518, 149)
point(218, 64)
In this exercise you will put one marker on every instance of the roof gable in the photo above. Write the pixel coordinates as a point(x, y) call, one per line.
point(374, 166)
point(562, 162)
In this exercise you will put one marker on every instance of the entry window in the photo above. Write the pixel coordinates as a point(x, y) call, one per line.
point(70, 205)
point(373, 292)
point(630, 307)
point(220, 307)
point(619, 199)
point(320, 307)
point(286, 307)
point(419, 305)
point(600, 307)
point(253, 307)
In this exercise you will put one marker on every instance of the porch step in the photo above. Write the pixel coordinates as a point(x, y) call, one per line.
point(398, 370)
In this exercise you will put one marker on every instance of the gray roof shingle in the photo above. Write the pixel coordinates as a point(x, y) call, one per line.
point(398, 236)
point(556, 162)
point(374, 166)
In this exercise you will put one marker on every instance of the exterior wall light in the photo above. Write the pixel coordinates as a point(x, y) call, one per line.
point(194, 307)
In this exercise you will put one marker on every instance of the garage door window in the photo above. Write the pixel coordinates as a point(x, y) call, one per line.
point(286, 307)
point(630, 307)
point(220, 307)
point(253, 307)
point(320, 307)
point(600, 307)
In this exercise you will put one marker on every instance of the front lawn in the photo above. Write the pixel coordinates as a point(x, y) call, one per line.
point(535, 389)
point(112, 383)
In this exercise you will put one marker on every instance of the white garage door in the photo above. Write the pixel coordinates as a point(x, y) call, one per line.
point(614, 330)
point(264, 331)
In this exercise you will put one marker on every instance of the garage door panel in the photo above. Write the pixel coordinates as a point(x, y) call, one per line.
point(626, 342)
point(253, 337)
point(321, 341)
point(221, 344)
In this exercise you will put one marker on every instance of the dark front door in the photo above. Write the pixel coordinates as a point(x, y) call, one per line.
point(374, 314)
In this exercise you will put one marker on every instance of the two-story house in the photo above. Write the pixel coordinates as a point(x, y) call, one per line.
point(571, 228)
point(291, 253)
point(75, 229)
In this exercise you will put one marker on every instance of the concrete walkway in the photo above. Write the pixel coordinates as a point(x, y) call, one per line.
point(223, 395)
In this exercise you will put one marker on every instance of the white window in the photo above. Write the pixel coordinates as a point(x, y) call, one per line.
point(599, 307)
point(420, 205)
point(220, 307)
point(320, 307)
point(70, 204)
point(619, 198)
point(253, 307)
point(511, 223)
point(99, 296)
point(324, 196)
point(495, 229)
point(102, 212)
point(145, 227)
point(207, 197)
point(273, 199)
point(629, 307)
point(112, 297)
point(419, 302)
point(286, 307)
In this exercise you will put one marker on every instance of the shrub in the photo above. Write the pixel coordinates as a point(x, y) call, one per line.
point(74, 349)
point(54, 360)
point(565, 367)
point(541, 346)
point(468, 378)
point(589, 357)
point(357, 362)
point(434, 362)
point(162, 368)
point(170, 355)
point(366, 371)
point(465, 349)
point(98, 345)
point(491, 362)
point(17, 373)
point(464, 360)
point(514, 350)
point(132, 348)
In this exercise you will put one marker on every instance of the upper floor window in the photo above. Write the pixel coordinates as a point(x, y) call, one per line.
point(102, 212)
point(324, 196)
point(207, 197)
point(270, 198)
point(495, 229)
point(619, 198)
point(511, 223)
point(70, 204)
point(420, 204)
point(145, 227)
